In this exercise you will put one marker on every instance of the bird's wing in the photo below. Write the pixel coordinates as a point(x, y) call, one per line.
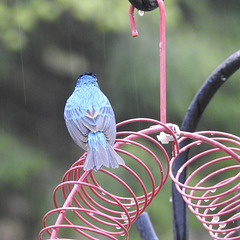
point(93, 112)
point(100, 117)
point(106, 123)
point(101, 120)
point(76, 127)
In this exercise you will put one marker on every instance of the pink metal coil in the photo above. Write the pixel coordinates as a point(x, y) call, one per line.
point(212, 187)
point(91, 204)
point(105, 203)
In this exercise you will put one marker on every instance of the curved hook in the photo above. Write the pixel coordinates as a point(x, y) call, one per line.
point(132, 21)
point(162, 46)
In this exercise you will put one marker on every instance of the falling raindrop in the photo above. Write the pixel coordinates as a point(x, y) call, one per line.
point(141, 13)
point(170, 199)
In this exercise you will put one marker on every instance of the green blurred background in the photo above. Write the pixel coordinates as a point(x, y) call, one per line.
point(45, 45)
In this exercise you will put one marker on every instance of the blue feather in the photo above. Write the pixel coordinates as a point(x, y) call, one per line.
point(91, 123)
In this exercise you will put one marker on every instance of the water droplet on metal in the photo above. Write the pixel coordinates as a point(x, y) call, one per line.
point(118, 227)
point(170, 199)
point(206, 200)
point(132, 201)
point(223, 78)
point(141, 13)
point(213, 190)
point(180, 169)
point(215, 219)
point(223, 225)
point(125, 219)
point(212, 209)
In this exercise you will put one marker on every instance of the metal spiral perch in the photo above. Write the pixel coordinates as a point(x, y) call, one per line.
point(211, 190)
point(104, 204)
point(93, 207)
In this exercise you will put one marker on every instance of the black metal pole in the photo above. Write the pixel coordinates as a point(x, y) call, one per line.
point(191, 119)
point(145, 228)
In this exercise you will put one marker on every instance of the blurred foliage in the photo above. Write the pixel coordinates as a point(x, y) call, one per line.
point(19, 17)
point(18, 161)
point(45, 45)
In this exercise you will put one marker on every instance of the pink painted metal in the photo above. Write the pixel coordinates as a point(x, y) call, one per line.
point(132, 21)
point(211, 189)
point(162, 46)
point(105, 203)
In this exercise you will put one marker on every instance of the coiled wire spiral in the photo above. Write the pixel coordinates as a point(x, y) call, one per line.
point(212, 188)
point(104, 204)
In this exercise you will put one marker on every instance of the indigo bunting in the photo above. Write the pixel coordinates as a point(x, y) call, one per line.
point(144, 5)
point(91, 123)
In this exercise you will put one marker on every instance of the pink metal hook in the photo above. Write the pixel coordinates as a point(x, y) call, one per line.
point(132, 21)
point(162, 46)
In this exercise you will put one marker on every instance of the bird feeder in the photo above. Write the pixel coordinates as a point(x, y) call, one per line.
point(104, 204)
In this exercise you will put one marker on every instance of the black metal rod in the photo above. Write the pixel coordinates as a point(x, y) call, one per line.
point(145, 227)
point(191, 119)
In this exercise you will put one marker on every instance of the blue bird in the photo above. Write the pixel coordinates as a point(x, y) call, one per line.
point(91, 123)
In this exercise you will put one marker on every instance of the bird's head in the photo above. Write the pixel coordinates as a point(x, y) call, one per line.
point(86, 79)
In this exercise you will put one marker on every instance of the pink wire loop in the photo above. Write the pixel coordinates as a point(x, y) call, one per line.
point(211, 189)
point(88, 205)
point(162, 46)
point(97, 201)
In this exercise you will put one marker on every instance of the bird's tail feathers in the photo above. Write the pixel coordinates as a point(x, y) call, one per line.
point(101, 153)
